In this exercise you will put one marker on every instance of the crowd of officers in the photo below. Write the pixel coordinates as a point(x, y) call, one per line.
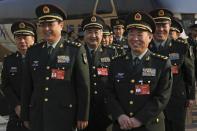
point(138, 75)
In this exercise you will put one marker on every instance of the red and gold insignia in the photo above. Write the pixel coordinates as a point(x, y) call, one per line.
point(46, 9)
point(161, 13)
point(138, 16)
point(21, 25)
point(93, 19)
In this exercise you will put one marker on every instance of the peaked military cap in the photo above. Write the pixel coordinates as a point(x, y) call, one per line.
point(140, 20)
point(49, 13)
point(23, 28)
point(117, 22)
point(176, 26)
point(161, 15)
point(106, 30)
point(92, 21)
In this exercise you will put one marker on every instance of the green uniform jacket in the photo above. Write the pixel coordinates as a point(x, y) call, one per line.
point(56, 91)
point(193, 44)
point(124, 91)
point(99, 72)
point(12, 82)
point(183, 88)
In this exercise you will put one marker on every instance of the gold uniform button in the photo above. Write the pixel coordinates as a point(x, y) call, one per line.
point(95, 92)
point(70, 105)
point(131, 102)
point(132, 81)
point(93, 67)
point(95, 84)
point(131, 113)
point(46, 89)
point(131, 91)
point(45, 99)
point(34, 69)
point(47, 67)
point(94, 75)
point(47, 78)
point(157, 120)
point(118, 80)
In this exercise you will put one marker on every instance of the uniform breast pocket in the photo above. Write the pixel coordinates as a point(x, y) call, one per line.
point(151, 81)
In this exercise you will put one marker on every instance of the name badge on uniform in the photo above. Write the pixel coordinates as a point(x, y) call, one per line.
point(57, 74)
point(102, 71)
point(174, 56)
point(174, 69)
point(142, 89)
point(63, 59)
point(35, 63)
point(148, 72)
point(105, 59)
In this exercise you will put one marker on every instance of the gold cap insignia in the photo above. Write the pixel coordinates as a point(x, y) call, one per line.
point(161, 13)
point(138, 16)
point(46, 9)
point(22, 25)
point(117, 22)
point(93, 19)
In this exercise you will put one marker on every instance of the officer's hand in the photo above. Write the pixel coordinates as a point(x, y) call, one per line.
point(26, 124)
point(190, 103)
point(135, 122)
point(18, 110)
point(124, 122)
point(82, 124)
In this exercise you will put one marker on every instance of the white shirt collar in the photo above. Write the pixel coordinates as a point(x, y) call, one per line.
point(140, 56)
point(54, 44)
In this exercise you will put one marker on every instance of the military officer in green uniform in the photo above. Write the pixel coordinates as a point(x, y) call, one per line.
point(99, 59)
point(24, 35)
point(183, 89)
point(118, 30)
point(140, 81)
point(176, 29)
point(55, 95)
point(192, 40)
point(106, 35)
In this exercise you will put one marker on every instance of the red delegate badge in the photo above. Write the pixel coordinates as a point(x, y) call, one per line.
point(175, 69)
point(142, 89)
point(102, 71)
point(57, 74)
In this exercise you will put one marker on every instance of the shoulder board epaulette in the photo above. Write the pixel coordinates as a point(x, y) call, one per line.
point(160, 56)
point(109, 46)
point(76, 44)
point(9, 54)
point(181, 40)
point(118, 56)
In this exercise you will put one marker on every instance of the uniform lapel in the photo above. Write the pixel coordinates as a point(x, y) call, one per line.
point(43, 54)
point(98, 54)
point(88, 56)
point(153, 47)
point(165, 50)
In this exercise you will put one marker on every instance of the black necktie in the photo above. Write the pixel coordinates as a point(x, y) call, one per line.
point(50, 50)
point(136, 61)
point(92, 53)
